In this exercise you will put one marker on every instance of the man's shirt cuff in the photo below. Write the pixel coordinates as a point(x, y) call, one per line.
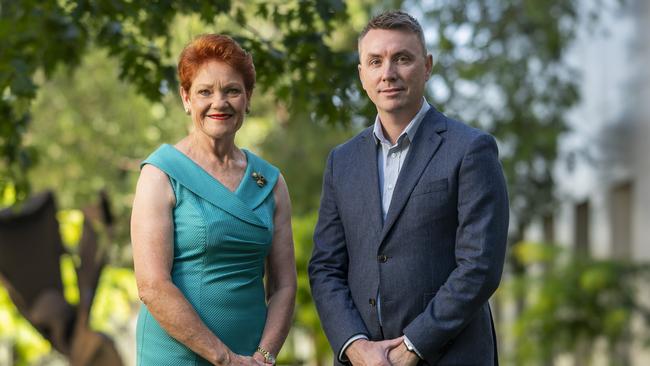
point(410, 345)
point(342, 357)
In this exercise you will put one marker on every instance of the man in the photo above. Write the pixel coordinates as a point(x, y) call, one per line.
point(412, 227)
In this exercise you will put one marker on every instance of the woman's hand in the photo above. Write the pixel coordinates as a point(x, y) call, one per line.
point(260, 358)
point(239, 360)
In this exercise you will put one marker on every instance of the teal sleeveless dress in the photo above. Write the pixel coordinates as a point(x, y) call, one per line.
point(221, 240)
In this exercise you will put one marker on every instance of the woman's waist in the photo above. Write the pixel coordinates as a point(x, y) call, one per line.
point(219, 290)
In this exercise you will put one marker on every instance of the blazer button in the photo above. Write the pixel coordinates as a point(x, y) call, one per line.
point(372, 302)
point(382, 258)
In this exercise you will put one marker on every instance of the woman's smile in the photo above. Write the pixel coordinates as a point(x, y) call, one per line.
point(220, 116)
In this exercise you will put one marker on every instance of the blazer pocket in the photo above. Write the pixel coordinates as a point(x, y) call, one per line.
point(432, 186)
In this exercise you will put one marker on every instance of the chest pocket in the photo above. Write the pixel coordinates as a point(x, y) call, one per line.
point(429, 201)
point(430, 186)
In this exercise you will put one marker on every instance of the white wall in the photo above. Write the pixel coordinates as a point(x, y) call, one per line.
point(612, 126)
point(641, 228)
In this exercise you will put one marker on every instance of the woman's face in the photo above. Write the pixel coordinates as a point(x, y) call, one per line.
point(217, 100)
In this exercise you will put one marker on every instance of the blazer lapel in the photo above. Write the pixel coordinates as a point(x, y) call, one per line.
point(423, 147)
point(368, 172)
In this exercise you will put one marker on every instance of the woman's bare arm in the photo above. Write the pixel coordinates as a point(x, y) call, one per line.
point(281, 274)
point(152, 240)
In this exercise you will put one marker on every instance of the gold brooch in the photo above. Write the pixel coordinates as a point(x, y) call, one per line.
point(259, 179)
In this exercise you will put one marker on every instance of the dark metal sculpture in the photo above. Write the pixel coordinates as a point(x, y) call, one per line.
point(30, 250)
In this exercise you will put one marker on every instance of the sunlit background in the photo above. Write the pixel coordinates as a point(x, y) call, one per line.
point(87, 92)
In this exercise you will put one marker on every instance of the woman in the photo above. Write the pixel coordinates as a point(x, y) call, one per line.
point(209, 220)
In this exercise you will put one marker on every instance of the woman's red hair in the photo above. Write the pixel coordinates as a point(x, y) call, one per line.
point(215, 47)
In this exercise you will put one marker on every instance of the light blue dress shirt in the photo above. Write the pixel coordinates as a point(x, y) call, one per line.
point(391, 157)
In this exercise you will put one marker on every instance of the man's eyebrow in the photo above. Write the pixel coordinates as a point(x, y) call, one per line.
point(403, 52)
point(372, 55)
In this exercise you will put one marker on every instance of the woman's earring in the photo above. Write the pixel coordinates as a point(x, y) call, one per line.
point(248, 110)
point(187, 110)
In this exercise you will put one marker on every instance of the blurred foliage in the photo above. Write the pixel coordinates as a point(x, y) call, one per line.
point(27, 344)
point(306, 315)
point(288, 39)
point(92, 137)
point(572, 302)
point(115, 301)
point(300, 151)
point(501, 67)
point(71, 222)
point(69, 278)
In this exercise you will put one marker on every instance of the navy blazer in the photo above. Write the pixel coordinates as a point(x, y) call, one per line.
point(436, 259)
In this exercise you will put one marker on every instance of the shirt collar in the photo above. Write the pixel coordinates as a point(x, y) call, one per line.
point(410, 129)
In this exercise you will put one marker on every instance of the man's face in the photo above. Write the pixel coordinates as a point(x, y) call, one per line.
point(393, 71)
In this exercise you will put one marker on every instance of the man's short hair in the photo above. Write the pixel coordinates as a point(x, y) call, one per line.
point(395, 19)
